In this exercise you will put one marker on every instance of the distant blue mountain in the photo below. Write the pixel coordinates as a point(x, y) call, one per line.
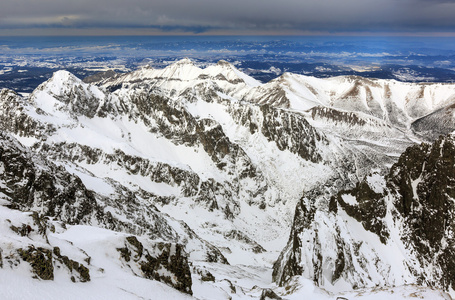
point(27, 61)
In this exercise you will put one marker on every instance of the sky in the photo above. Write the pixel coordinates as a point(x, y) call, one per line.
point(227, 17)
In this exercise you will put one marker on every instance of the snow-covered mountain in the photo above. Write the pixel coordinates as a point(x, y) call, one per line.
point(191, 177)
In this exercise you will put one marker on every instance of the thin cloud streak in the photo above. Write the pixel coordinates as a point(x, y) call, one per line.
point(235, 16)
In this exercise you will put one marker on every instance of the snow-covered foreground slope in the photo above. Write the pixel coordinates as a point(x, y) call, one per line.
point(93, 248)
point(191, 177)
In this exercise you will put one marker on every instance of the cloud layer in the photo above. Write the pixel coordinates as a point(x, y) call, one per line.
point(234, 16)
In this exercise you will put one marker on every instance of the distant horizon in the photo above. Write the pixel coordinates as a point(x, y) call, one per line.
point(265, 34)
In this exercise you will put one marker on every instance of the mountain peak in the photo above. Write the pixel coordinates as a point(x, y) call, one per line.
point(184, 61)
point(64, 91)
point(232, 74)
point(60, 81)
point(64, 76)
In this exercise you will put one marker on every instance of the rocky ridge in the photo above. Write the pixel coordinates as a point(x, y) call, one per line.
point(407, 213)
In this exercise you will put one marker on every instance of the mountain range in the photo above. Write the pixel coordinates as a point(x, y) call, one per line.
point(203, 182)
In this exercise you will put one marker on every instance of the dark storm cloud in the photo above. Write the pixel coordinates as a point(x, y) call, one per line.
point(235, 15)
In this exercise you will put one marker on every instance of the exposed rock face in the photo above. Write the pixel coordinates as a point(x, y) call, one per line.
point(410, 209)
point(422, 184)
point(78, 270)
point(15, 119)
point(100, 76)
point(44, 187)
point(369, 210)
point(440, 122)
point(291, 132)
point(164, 262)
point(269, 294)
point(44, 261)
point(41, 261)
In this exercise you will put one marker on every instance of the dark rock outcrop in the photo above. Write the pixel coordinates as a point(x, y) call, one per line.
point(416, 199)
point(165, 262)
point(32, 182)
point(422, 184)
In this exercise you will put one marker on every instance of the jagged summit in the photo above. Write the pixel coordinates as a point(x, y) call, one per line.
point(64, 91)
point(60, 82)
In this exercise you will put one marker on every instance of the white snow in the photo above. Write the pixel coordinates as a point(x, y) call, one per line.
point(349, 199)
point(376, 182)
